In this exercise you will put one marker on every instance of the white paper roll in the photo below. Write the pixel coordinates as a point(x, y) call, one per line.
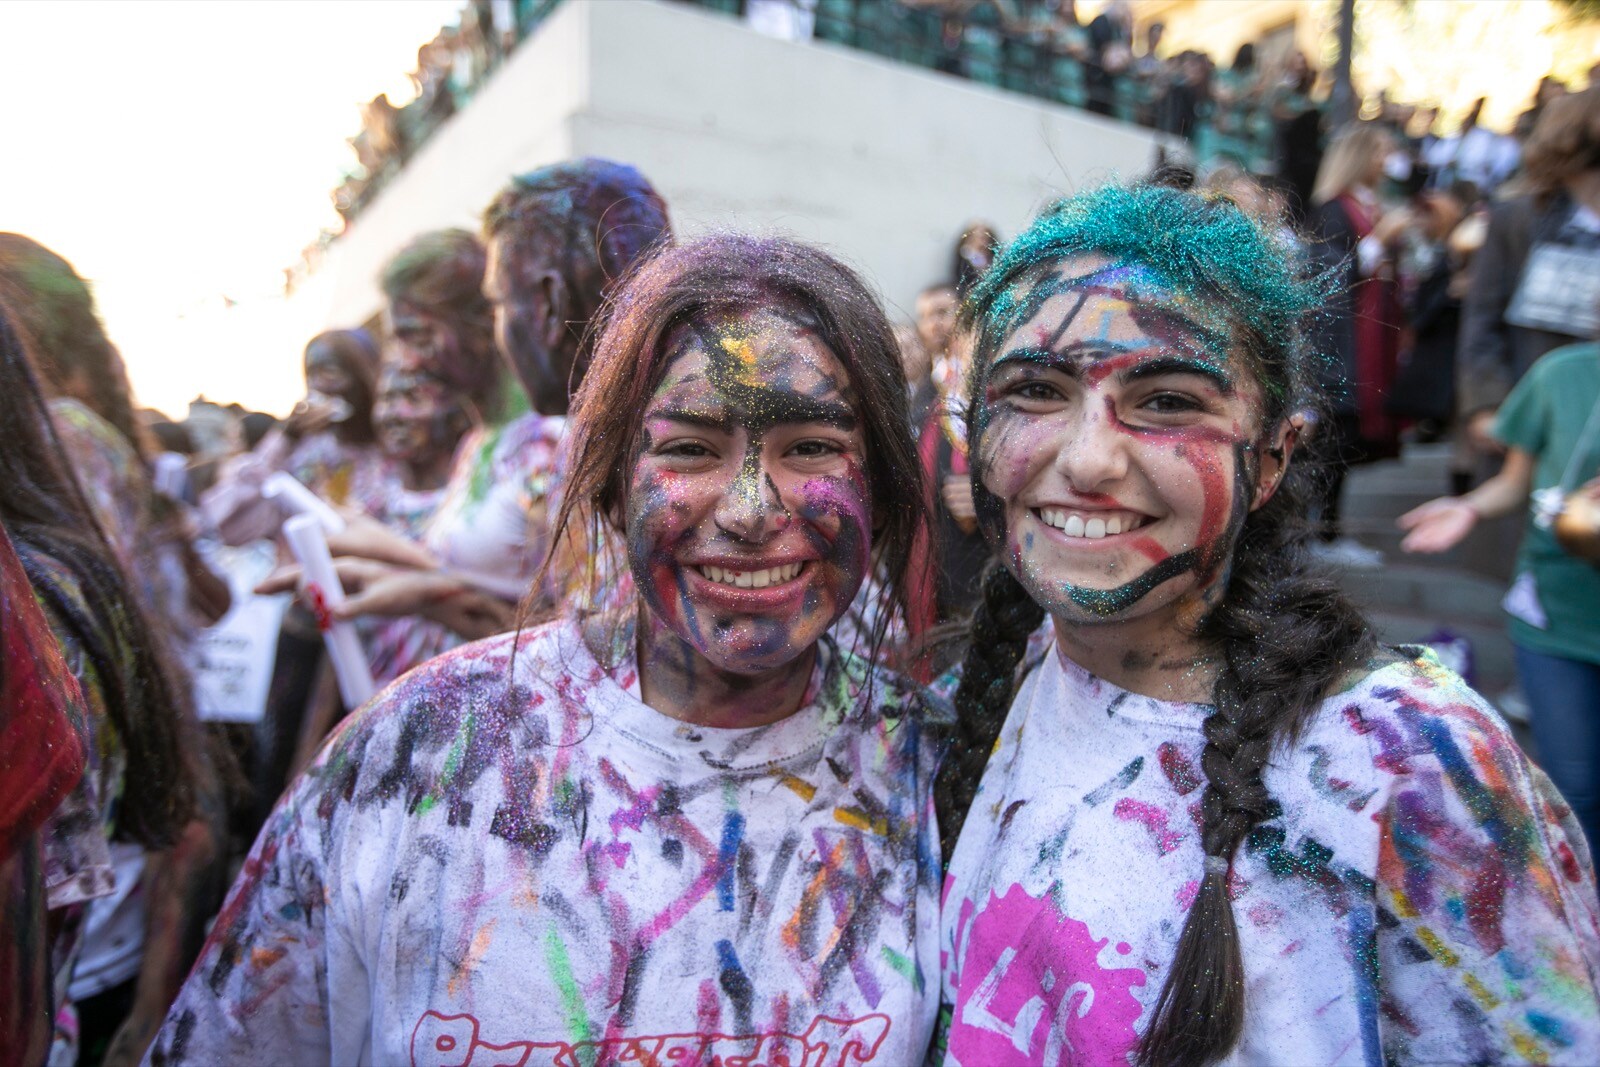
point(287, 491)
point(172, 474)
point(320, 584)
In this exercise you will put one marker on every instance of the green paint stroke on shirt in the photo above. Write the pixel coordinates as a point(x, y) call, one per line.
point(555, 953)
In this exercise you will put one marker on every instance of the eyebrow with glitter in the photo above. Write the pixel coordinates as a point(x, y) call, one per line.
point(789, 411)
point(1159, 365)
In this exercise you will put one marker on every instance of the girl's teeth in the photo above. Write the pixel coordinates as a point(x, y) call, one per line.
point(753, 579)
point(1077, 526)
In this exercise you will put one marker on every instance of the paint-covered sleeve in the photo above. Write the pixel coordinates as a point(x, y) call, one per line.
point(1487, 933)
point(259, 991)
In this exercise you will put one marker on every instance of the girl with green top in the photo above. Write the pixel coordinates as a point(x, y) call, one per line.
point(1551, 426)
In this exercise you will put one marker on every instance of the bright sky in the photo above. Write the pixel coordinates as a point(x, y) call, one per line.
point(179, 153)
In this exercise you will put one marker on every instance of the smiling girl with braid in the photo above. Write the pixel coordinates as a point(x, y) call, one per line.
point(1217, 822)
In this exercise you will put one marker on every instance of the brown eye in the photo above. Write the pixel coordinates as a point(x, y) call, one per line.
point(1170, 404)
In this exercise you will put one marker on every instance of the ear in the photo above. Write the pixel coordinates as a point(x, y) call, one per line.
point(1275, 452)
point(553, 297)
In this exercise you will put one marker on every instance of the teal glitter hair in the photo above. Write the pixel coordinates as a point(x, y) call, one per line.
point(1243, 278)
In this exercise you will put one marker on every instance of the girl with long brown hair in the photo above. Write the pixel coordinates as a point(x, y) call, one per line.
point(692, 829)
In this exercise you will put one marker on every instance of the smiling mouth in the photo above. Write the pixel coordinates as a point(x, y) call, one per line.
point(1091, 526)
point(760, 579)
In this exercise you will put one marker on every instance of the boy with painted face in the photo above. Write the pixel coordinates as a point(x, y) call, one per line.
point(1217, 823)
point(693, 831)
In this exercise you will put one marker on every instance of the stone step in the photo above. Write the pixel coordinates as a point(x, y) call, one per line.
point(1490, 551)
point(1437, 591)
point(1493, 659)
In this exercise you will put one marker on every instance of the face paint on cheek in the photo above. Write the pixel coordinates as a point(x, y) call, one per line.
point(656, 524)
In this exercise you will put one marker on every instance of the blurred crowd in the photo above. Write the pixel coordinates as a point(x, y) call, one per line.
point(430, 450)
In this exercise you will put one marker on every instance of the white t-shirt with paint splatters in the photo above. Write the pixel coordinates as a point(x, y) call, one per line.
point(508, 859)
point(1425, 895)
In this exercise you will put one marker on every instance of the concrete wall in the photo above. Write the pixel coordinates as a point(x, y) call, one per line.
point(881, 162)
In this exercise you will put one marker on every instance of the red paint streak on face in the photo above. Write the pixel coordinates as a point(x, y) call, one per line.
point(1194, 445)
point(1214, 489)
point(1147, 547)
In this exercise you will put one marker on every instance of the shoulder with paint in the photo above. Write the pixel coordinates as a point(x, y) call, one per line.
point(855, 687)
point(482, 700)
point(1442, 746)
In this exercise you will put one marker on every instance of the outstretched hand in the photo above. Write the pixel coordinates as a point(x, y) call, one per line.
point(1437, 526)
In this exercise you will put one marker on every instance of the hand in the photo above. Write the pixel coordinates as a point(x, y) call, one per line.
point(1480, 433)
point(367, 537)
point(1437, 526)
point(371, 587)
point(1392, 226)
point(309, 417)
point(957, 494)
point(1590, 489)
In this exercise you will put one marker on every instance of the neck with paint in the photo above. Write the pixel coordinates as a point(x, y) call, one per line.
point(676, 680)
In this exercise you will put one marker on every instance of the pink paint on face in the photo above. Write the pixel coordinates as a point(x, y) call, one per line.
point(748, 510)
point(1124, 418)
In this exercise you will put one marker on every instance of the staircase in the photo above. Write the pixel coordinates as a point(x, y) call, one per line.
point(1410, 598)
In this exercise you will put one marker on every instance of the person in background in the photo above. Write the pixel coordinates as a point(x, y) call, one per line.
point(936, 320)
point(1550, 426)
point(1360, 334)
point(1297, 131)
point(974, 251)
point(558, 240)
point(440, 324)
point(1110, 54)
point(1540, 244)
point(326, 444)
point(129, 922)
point(42, 760)
point(1474, 154)
point(1432, 275)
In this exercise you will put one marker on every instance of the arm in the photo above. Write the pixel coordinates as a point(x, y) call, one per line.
point(1487, 942)
point(374, 588)
point(1440, 525)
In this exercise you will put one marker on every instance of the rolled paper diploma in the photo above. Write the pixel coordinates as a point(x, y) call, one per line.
point(323, 593)
point(172, 474)
point(287, 491)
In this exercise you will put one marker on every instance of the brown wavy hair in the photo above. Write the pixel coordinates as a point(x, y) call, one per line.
point(1564, 144)
point(730, 274)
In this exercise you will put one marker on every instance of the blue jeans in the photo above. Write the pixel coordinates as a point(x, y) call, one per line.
point(1564, 705)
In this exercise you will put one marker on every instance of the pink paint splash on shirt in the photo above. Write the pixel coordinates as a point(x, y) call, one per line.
point(1031, 989)
point(1151, 818)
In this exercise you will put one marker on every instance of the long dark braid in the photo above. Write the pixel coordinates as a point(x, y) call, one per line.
point(1001, 623)
point(1286, 636)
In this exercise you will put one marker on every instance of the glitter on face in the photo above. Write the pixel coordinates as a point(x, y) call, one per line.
point(1115, 443)
point(748, 512)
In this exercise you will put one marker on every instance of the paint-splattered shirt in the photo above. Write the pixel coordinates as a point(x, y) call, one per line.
point(1424, 896)
point(509, 858)
point(492, 526)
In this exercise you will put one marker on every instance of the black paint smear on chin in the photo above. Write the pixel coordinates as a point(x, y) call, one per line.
point(1108, 602)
